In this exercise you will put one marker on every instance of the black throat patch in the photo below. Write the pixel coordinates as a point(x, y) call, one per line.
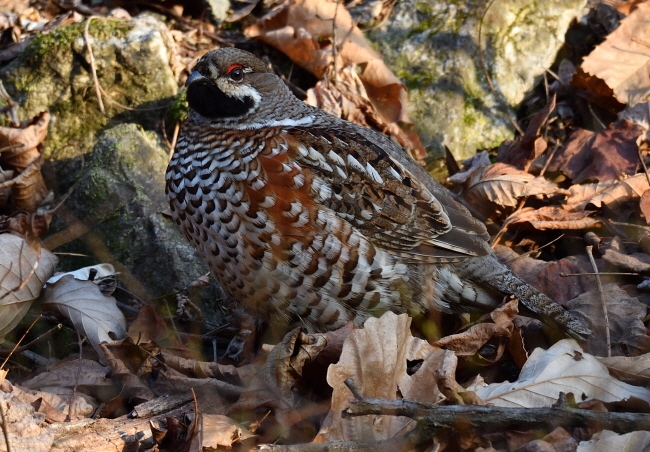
point(210, 102)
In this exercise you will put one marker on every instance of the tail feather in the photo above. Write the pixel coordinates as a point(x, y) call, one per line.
point(488, 272)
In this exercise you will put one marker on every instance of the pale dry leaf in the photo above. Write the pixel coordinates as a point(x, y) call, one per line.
point(551, 217)
point(631, 369)
point(23, 271)
point(470, 166)
point(608, 441)
point(375, 357)
point(566, 368)
point(610, 193)
point(504, 185)
point(26, 429)
point(623, 60)
point(66, 374)
point(219, 430)
point(57, 398)
point(469, 342)
point(93, 314)
point(636, 262)
point(558, 440)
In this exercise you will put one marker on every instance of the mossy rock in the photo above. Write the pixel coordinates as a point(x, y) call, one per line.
point(54, 74)
point(433, 47)
point(119, 198)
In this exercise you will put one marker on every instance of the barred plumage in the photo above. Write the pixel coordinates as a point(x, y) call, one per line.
point(311, 220)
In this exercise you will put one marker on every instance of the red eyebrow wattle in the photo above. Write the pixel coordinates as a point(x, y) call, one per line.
point(233, 66)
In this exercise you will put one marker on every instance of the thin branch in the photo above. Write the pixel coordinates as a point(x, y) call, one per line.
point(81, 340)
point(13, 108)
point(36, 341)
point(645, 168)
point(492, 418)
point(602, 300)
point(335, 45)
point(98, 89)
point(603, 273)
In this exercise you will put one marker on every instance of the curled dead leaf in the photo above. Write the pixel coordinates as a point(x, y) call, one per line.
point(610, 194)
point(623, 60)
point(522, 152)
point(564, 367)
point(92, 313)
point(601, 156)
point(376, 358)
point(504, 185)
point(551, 217)
point(469, 342)
point(21, 153)
point(24, 268)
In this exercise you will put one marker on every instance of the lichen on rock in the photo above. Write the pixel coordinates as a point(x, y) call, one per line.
point(119, 197)
point(54, 73)
point(433, 47)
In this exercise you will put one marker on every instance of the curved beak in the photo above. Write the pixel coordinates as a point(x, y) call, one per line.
point(194, 76)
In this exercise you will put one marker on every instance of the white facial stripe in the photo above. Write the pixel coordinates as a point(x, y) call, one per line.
point(238, 91)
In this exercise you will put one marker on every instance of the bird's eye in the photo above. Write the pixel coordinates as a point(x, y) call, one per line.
point(236, 72)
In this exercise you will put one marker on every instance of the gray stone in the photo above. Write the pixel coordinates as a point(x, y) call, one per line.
point(219, 9)
point(120, 198)
point(54, 74)
point(432, 46)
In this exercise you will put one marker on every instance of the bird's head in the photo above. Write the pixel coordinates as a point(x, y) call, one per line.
point(232, 86)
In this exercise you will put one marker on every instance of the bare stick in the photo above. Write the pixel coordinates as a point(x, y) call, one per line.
point(18, 343)
point(492, 418)
point(68, 418)
point(645, 168)
point(602, 300)
point(26, 347)
point(13, 108)
point(98, 89)
point(335, 45)
point(603, 273)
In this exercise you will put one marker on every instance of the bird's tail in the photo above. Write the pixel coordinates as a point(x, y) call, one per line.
point(488, 272)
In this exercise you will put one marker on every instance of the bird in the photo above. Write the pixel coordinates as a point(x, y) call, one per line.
point(309, 220)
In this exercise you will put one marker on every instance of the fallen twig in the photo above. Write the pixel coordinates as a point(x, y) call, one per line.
point(492, 418)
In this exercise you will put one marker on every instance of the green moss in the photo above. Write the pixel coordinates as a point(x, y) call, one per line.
point(53, 74)
point(415, 79)
point(178, 110)
point(64, 37)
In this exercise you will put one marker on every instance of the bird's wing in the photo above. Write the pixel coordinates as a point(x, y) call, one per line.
point(357, 178)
